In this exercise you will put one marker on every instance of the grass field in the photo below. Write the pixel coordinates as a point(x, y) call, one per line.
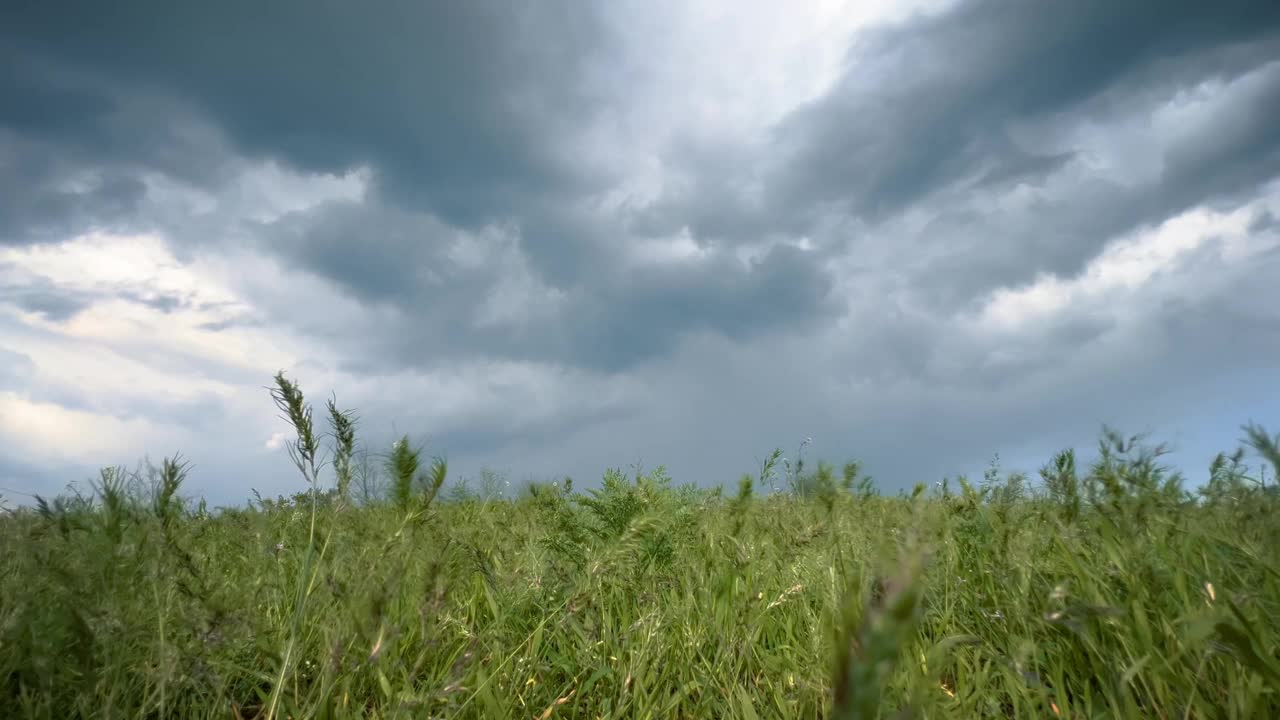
point(1098, 589)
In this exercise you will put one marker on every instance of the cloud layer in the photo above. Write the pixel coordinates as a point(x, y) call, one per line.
point(553, 240)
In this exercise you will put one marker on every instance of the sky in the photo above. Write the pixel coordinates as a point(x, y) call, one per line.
point(552, 238)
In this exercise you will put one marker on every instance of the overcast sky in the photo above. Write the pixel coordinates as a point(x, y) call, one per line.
point(555, 237)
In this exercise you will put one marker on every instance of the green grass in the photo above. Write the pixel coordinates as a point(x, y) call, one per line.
point(1098, 591)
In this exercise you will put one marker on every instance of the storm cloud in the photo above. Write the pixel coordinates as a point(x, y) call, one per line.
point(556, 237)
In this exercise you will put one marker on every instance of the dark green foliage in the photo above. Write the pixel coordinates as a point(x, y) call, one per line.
point(612, 507)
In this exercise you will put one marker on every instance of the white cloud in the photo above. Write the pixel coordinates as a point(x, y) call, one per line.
point(52, 433)
point(113, 270)
point(1157, 260)
point(118, 359)
point(734, 68)
point(99, 261)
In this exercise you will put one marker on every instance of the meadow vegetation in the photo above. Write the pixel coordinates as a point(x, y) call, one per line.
point(383, 589)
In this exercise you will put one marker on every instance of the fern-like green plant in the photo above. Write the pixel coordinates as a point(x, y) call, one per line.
point(614, 505)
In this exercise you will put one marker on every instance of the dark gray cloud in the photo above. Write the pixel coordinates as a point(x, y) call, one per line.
point(41, 296)
point(712, 189)
point(1025, 168)
point(956, 153)
point(983, 98)
point(922, 107)
point(164, 302)
point(1263, 222)
point(47, 198)
point(76, 147)
point(1237, 150)
point(932, 102)
point(784, 290)
point(415, 268)
point(379, 255)
point(458, 106)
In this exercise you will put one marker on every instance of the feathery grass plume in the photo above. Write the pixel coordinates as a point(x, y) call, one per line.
point(849, 475)
point(863, 487)
point(402, 465)
point(1229, 481)
point(295, 411)
point(767, 469)
point(110, 488)
point(1265, 445)
point(172, 473)
point(433, 480)
point(1063, 484)
point(342, 424)
point(795, 472)
point(303, 452)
